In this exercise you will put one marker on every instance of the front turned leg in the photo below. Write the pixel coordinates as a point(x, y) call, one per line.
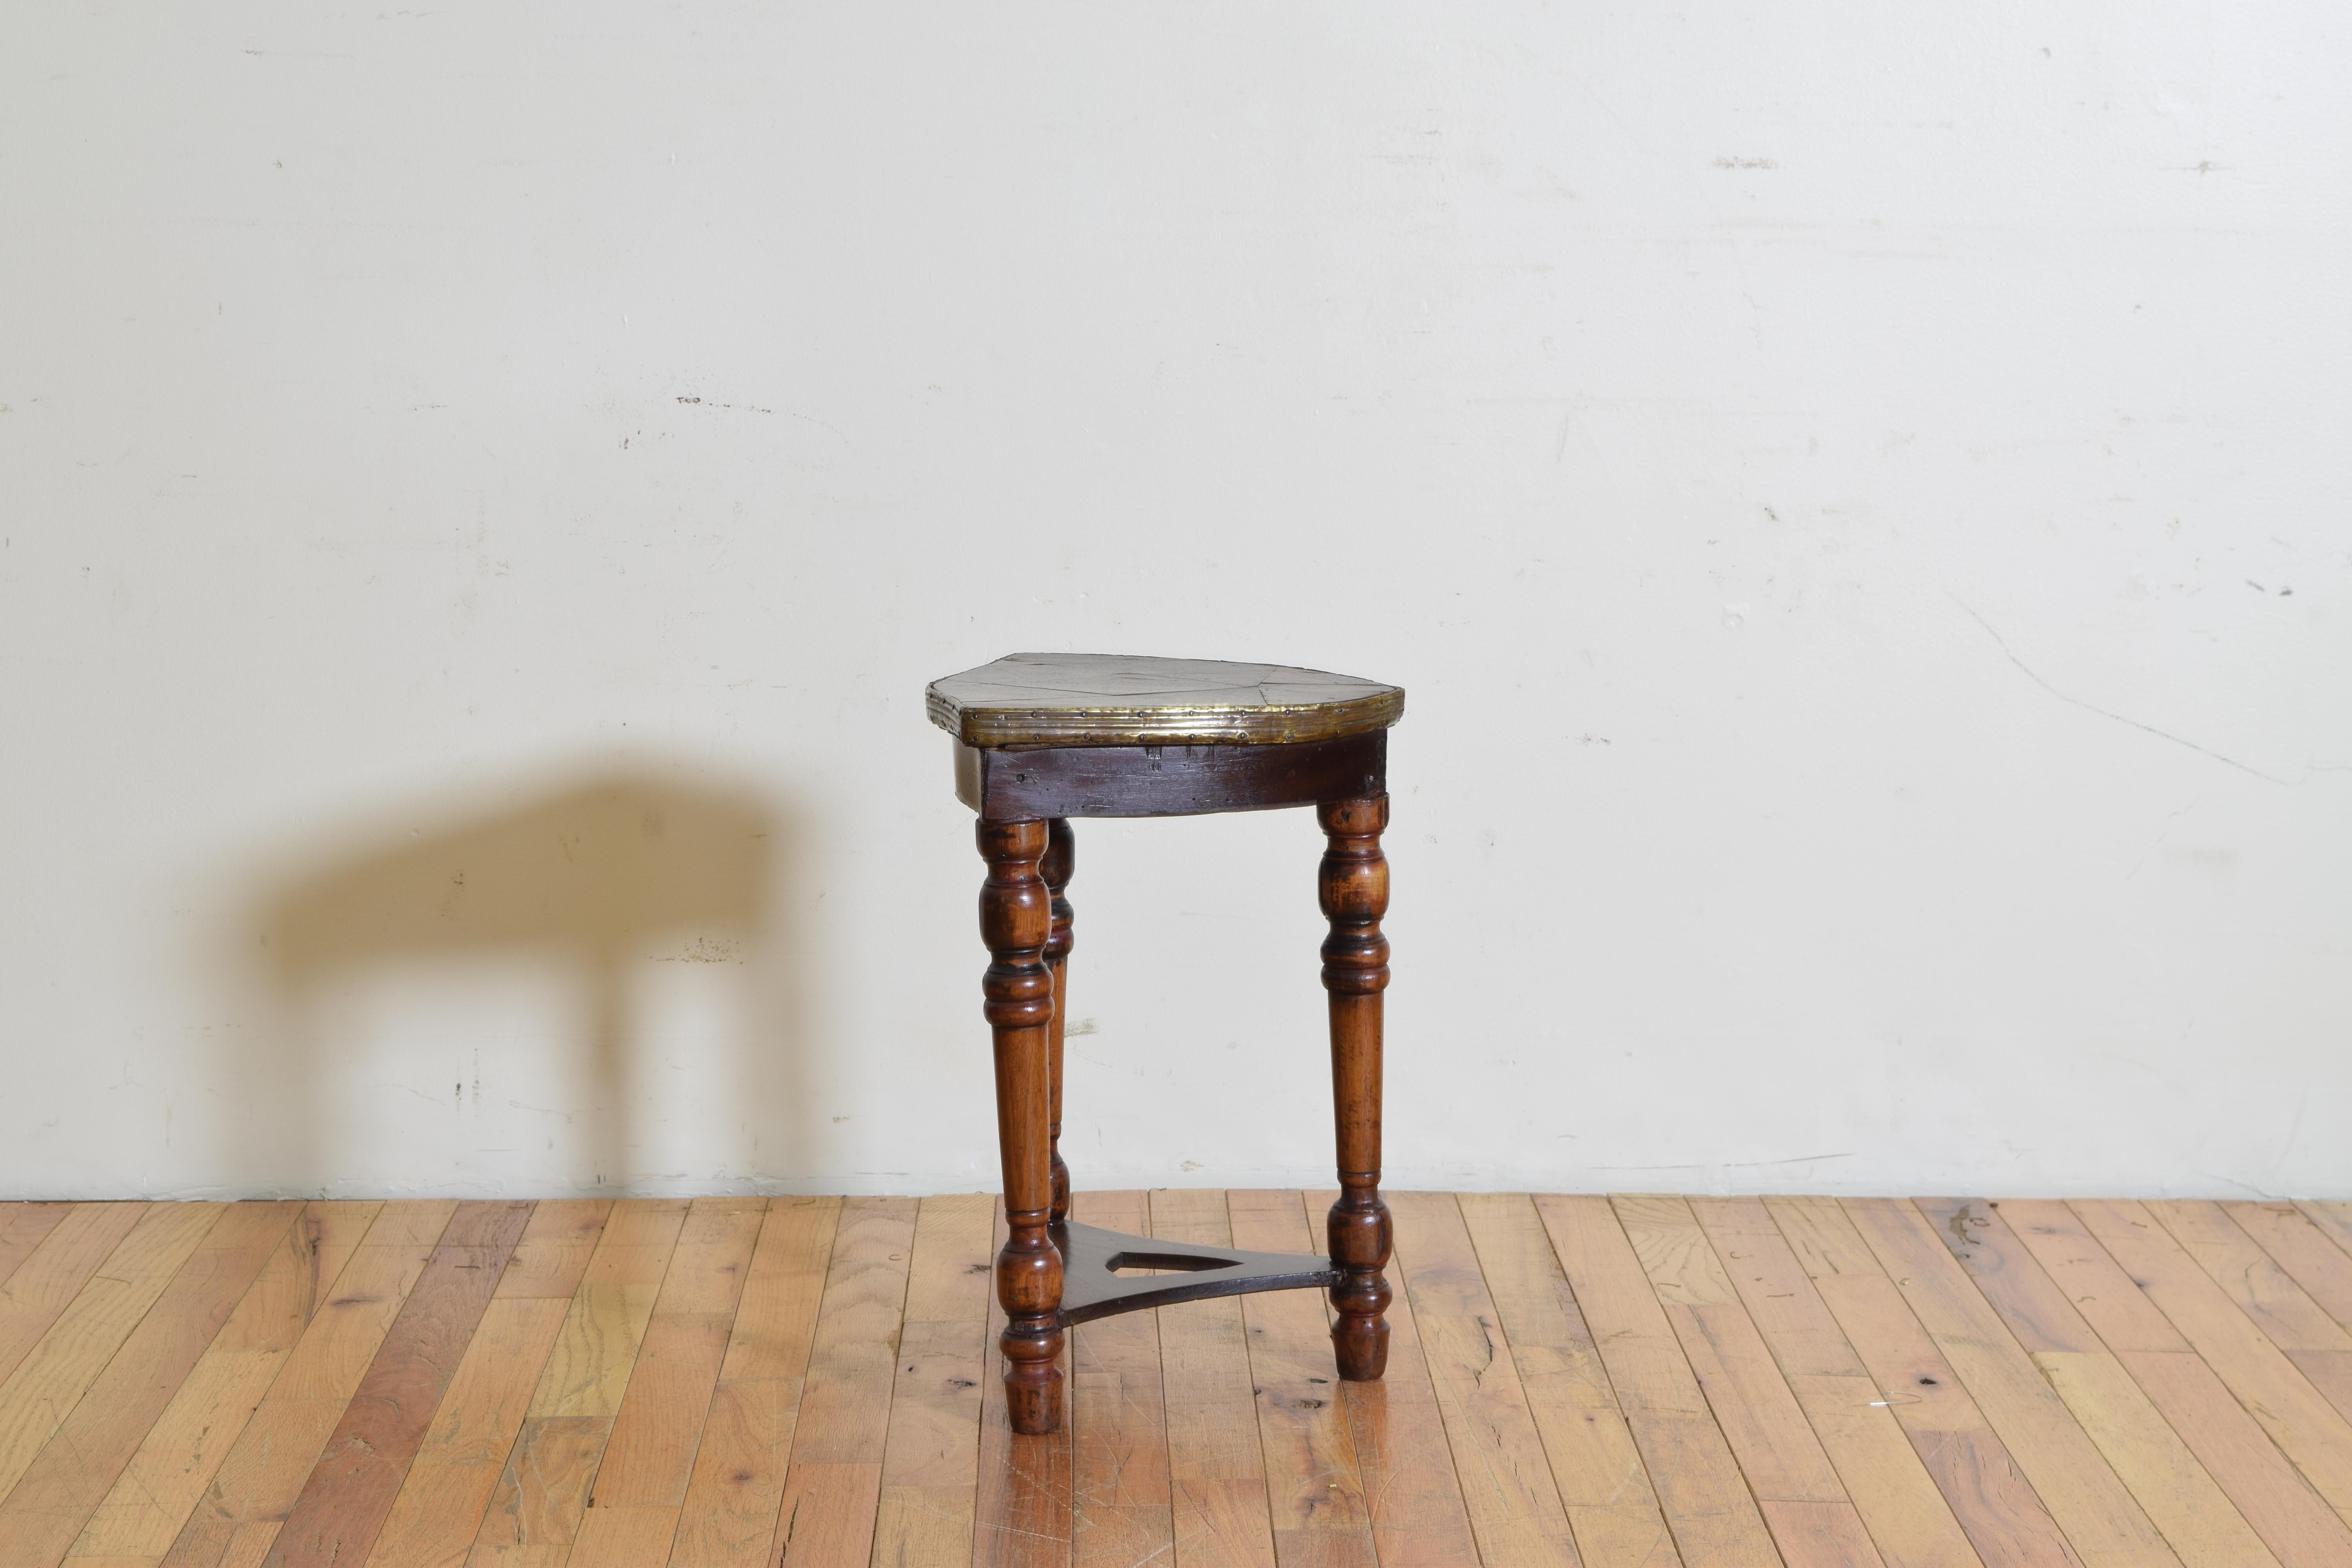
point(1016, 922)
point(1354, 892)
point(1061, 859)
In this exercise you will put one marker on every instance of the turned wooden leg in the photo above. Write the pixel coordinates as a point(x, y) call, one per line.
point(1061, 859)
point(1016, 922)
point(1354, 890)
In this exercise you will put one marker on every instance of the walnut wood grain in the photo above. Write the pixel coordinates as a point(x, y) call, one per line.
point(1009, 786)
point(1354, 890)
point(1023, 1507)
point(1061, 860)
point(1041, 739)
point(1015, 921)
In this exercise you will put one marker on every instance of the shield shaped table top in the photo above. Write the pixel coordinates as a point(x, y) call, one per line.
point(1118, 700)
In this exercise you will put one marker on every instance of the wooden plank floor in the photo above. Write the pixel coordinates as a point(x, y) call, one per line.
point(1625, 1381)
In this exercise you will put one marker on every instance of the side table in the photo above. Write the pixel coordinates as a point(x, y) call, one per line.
point(1042, 738)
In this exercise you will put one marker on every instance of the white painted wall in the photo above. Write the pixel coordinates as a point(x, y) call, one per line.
point(1858, 496)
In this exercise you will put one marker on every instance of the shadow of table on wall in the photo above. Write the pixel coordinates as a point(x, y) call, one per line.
point(594, 878)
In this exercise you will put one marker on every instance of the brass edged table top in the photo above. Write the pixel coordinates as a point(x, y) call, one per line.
point(1120, 699)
